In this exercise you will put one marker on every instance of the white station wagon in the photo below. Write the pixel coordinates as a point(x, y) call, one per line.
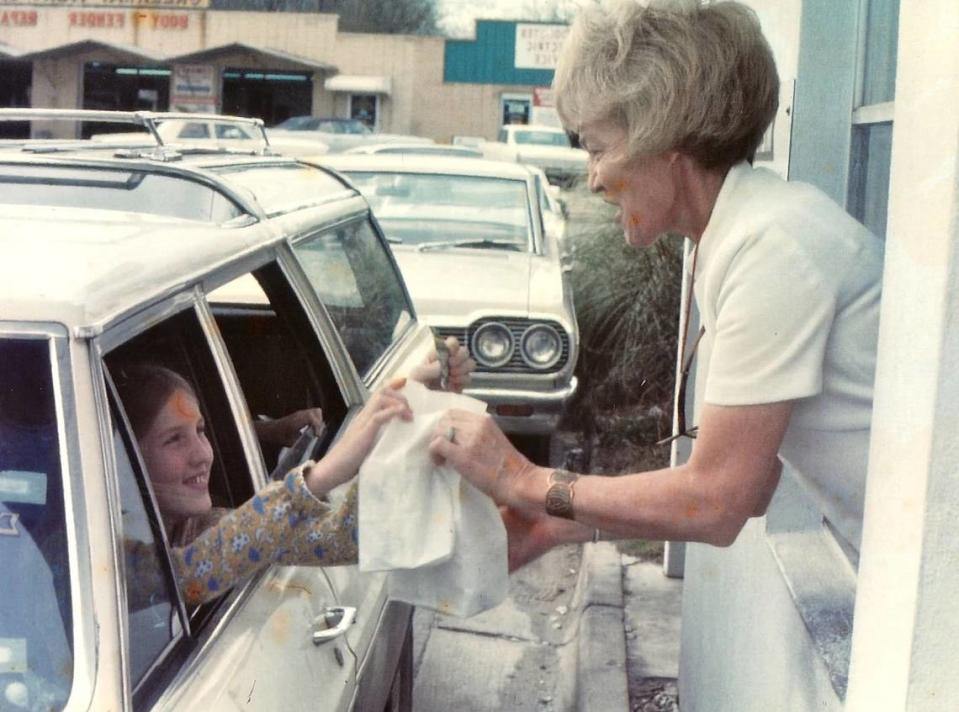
point(470, 239)
point(267, 283)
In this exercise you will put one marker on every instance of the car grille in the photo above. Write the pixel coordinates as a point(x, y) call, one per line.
point(516, 364)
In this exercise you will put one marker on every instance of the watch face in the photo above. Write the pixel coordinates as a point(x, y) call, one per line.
point(559, 500)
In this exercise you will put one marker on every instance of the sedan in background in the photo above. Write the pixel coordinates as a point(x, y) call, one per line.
point(468, 235)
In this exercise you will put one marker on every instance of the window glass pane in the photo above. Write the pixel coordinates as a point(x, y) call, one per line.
point(869, 175)
point(416, 208)
point(882, 32)
point(355, 278)
point(36, 640)
point(150, 595)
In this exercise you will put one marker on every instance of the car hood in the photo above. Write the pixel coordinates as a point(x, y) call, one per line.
point(453, 287)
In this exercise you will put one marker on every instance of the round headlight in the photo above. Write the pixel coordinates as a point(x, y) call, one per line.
point(492, 345)
point(541, 346)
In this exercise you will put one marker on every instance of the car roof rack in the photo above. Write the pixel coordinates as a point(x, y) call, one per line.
point(146, 119)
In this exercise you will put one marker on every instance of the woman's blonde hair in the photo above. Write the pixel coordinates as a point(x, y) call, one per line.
point(677, 75)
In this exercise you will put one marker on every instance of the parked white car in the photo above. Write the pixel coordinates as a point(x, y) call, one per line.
point(546, 147)
point(337, 133)
point(269, 284)
point(469, 238)
point(223, 132)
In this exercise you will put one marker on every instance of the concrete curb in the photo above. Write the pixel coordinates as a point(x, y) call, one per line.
point(601, 683)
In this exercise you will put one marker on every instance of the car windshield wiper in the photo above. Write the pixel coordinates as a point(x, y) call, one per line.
point(394, 240)
point(485, 243)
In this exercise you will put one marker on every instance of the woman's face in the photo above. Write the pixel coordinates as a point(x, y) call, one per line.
point(178, 458)
point(643, 188)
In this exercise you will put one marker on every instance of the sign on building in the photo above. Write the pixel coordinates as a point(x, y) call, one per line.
point(170, 4)
point(544, 108)
point(537, 46)
point(195, 87)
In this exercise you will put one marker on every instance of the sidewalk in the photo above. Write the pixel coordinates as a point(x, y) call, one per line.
point(630, 624)
point(584, 629)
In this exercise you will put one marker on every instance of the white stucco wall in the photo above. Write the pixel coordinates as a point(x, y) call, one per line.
point(907, 619)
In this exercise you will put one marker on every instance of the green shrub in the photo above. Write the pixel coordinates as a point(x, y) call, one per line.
point(627, 306)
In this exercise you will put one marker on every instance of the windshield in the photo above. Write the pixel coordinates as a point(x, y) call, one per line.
point(36, 644)
point(423, 208)
point(542, 138)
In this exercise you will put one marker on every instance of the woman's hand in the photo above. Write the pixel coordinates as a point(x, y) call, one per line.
point(481, 453)
point(284, 431)
point(460, 368)
point(343, 460)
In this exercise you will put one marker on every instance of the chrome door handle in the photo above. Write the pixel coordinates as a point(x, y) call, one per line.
point(336, 620)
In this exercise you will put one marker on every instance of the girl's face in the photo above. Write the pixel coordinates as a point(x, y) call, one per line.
point(178, 458)
point(644, 188)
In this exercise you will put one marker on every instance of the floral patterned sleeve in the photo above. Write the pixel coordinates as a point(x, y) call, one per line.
point(282, 524)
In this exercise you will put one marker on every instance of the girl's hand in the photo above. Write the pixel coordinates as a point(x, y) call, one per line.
point(343, 460)
point(460, 368)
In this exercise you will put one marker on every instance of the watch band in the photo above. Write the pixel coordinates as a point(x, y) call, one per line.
point(559, 496)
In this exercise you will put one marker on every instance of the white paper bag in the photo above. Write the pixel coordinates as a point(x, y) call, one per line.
point(443, 539)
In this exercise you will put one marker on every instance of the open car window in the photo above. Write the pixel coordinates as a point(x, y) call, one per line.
point(277, 357)
point(354, 276)
point(36, 641)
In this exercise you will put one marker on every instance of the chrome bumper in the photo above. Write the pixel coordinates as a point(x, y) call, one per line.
point(548, 406)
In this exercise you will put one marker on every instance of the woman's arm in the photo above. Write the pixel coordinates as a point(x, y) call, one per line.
point(730, 477)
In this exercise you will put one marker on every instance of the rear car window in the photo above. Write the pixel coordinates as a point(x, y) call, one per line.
point(114, 189)
point(36, 642)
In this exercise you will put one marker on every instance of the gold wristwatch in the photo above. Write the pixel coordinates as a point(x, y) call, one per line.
point(559, 496)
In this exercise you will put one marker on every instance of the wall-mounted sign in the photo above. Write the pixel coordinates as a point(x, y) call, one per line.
point(18, 18)
point(160, 4)
point(93, 18)
point(195, 87)
point(161, 20)
point(537, 46)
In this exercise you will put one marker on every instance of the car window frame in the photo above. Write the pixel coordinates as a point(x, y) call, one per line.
point(197, 627)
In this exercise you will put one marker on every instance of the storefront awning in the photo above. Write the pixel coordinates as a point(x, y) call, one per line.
point(267, 56)
point(120, 52)
point(357, 84)
point(8, 52)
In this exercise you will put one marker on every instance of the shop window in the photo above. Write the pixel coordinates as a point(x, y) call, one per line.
point(516, 108)
point(871, 147)
point(365, 108)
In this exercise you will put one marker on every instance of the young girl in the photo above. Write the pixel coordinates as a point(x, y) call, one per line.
point(288, 522)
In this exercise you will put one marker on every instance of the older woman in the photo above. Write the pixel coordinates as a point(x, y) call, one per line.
point(671, 102)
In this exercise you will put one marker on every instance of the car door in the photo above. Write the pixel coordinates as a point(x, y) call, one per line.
point(253, 646)
point(350, 270)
